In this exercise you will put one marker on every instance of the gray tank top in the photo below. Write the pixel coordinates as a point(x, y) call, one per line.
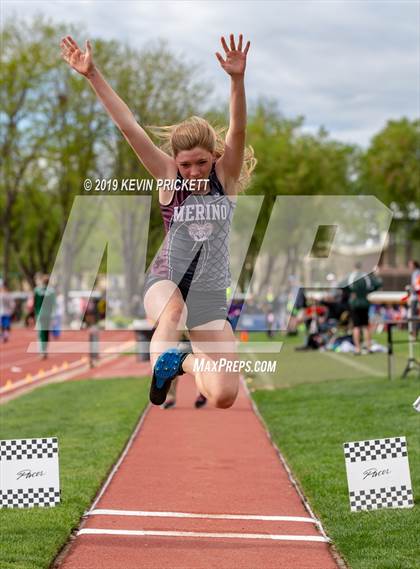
point(196, 246)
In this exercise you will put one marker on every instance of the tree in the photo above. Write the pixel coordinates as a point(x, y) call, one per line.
point(291, 162)
point(56, 133)
point(160, 89)
point(391, 165)
point(25, 60)
point(390, 169)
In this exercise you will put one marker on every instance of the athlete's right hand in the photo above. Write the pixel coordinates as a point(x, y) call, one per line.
point(81, 61)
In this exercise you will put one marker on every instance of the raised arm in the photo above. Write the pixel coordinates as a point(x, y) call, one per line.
point(234, 65)
point(157, 162)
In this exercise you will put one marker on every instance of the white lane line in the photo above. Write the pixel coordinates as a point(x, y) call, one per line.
point(283, 461)
point(356, 365)
point(142, 533)
point(145, 514)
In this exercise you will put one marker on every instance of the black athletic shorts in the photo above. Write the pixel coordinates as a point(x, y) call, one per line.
point(203, 305)
point(360, 316)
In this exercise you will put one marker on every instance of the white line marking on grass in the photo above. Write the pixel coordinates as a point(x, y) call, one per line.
point(140, 513)
point(354, 364)
point(142, 533)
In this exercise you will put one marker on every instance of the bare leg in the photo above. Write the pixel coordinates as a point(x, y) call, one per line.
point(367, 337)
point(214, 346)
point(164, 304)
point(172, 390)
point(356, 339)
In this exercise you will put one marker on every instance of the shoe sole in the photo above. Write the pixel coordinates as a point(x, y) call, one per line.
point(165, 370)
point(166, 367)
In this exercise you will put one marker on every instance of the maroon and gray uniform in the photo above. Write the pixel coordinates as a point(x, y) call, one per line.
point(195, 252)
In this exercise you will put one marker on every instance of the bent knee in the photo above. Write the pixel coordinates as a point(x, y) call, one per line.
point(174, 314)
point(224, 400)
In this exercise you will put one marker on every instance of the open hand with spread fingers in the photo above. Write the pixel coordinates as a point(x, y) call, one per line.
point(235, 61)
point(81, 61)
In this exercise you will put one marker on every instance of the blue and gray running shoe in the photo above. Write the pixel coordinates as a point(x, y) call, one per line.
point(167, 367)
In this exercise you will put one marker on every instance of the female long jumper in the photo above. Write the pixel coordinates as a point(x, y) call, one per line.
point(186, 283)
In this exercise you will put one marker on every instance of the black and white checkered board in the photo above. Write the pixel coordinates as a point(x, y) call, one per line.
point(375, 449)
point(378, 474)
point(28, 448)
point(29, 473)
point(392, 497)
point(29, 497)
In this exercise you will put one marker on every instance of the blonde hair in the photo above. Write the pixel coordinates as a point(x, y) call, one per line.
point(196, 131)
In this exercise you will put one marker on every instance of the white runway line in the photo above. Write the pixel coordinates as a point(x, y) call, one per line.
point(356, 365)
point(140, 513)
point(284, 463)
point(141, 533)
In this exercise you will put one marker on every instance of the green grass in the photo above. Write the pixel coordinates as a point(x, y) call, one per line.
point(309, 423)
point(92, 420)
point(312, 405)
point(315, 403)
point(295, 368)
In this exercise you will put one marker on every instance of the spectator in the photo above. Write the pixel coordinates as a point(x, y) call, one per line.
point(44, 305)
point(360, 285)
point(58, 315)
point(413, 301)
point(7, 306)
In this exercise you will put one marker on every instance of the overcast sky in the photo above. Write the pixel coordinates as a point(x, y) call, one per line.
point(348, 65)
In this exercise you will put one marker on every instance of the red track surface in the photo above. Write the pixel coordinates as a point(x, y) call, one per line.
point(205, 461)
point(16, 363)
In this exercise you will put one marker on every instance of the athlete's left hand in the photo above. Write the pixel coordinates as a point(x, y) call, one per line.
point(235, 62)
